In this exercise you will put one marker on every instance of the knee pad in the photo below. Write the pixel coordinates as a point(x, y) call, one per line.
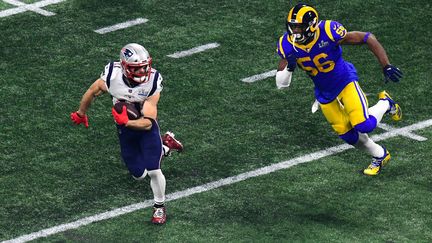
point(351, 137)
point(138, 178)
point(367, 126)
point(155, 173)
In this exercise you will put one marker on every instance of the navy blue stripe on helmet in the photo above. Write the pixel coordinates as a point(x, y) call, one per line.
point(155, 81)
point(110, 69)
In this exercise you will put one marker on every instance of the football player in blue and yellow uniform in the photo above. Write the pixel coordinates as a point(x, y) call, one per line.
point(315, 46)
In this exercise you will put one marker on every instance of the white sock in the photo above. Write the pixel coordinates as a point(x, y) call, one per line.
point(366, 144)
point(165, 149)
point(378, 110)
point(158, 184)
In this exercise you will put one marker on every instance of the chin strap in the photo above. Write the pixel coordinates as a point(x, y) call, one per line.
point(293, 42)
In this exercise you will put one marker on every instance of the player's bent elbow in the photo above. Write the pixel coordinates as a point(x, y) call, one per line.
point(146, 124)
point(147, 127)
point(140, 124)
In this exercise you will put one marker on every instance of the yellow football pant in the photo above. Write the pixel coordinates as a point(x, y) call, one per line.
point(348, 109)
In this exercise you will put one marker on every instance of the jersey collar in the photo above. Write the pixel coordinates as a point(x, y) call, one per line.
point(129, 83)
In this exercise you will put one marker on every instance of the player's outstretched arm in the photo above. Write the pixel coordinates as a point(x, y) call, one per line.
point(356, 37)
point(79, 116)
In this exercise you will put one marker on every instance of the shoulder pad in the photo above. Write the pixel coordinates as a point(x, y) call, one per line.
point(334, 30)
point(284, 47)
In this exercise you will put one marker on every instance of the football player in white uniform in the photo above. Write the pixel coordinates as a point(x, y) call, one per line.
point(134, 80)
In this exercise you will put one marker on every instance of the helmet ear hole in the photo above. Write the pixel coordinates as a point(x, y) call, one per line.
point(314, 24)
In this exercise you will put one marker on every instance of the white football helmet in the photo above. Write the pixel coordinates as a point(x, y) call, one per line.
point(136, 62)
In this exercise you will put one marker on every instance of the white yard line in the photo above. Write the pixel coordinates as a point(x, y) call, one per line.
point(194, 50)
point(216, 184)
point(405, 134)
point(29, 7)
point(260, 76)
point(23, 7)
point(120, 26)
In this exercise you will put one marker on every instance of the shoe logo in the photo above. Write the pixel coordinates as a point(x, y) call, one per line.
point(159, 213)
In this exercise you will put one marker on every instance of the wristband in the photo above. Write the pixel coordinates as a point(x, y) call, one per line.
point(366, 37)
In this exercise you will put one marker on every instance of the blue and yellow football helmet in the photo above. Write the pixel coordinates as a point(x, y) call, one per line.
point(302, 23)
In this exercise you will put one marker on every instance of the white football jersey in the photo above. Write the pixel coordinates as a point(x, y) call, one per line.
point(120, 89)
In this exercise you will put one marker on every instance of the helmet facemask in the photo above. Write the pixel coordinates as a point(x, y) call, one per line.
point(301, 32)
point(138, 72)
point(136, 63)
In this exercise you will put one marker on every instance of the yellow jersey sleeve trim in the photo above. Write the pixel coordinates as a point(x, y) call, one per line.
point(328, 30)
point(281, 47)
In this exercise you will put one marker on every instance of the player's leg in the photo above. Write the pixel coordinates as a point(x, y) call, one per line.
point(170, 143)
point(158, 184)
point(380, 155)
point(356, 105)
point(384, 105)
point(379, 109)
point(339, 120)
point(152, 151)
point(131, 152)
point(393, 109)
point(366, 144)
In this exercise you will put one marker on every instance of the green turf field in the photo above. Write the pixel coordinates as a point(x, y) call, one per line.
point(54, 173)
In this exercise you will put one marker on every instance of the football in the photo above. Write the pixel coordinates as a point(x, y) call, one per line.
point(132, 111)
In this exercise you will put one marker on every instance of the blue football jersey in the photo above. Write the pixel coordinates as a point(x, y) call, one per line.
point(321, 59)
